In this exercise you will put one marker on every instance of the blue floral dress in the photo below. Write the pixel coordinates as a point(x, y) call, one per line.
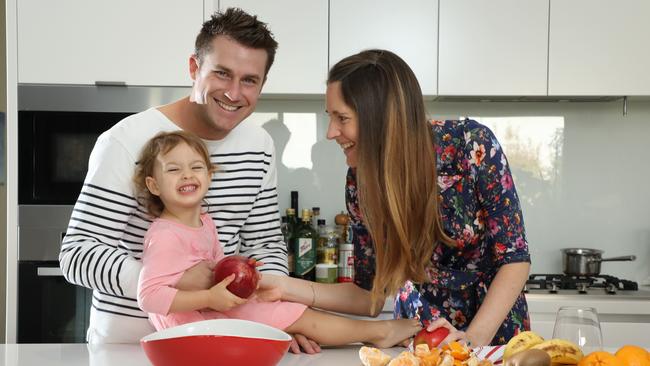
point(480, 211)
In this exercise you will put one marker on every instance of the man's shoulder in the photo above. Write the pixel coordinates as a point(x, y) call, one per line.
point(247, 137)
point(134, 131)
point(141, 126)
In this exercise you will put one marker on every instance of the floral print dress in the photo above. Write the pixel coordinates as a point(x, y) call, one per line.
point(480, 211)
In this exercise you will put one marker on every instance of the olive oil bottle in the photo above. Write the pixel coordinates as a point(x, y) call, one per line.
point(304, 247)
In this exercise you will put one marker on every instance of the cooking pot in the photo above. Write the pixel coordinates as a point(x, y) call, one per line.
point(586, 262)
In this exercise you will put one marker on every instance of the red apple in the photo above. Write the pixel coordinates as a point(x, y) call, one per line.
point(246, 278)
point(432, 338)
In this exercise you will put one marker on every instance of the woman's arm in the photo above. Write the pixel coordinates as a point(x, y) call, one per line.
point(500, 298)
point(345, 298)
point(505, 233)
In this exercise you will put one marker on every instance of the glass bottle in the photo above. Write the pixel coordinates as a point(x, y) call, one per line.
point(304, 246)
point(288, 233)
point(294, 201)
point(321, 243)
point(328, 246)
point(315, 217)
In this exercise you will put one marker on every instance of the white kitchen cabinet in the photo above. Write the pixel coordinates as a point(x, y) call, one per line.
point(599, 47)
point(623, 319)
point(494, 47)
point(300, 27)
point(409, 28)
point(145, 42)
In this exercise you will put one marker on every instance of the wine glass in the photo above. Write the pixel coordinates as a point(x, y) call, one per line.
point(579, 325)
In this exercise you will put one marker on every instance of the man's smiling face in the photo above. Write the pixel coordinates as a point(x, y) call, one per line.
point(227, 84)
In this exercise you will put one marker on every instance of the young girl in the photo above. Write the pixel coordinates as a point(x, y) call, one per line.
point(172, 177)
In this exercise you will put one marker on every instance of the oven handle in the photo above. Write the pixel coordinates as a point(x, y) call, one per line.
point(48, 271)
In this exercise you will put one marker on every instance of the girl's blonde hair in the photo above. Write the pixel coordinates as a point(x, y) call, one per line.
point(396, 166)
point(163, 143)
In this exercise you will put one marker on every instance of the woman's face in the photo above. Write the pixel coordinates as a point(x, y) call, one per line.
point(344, 124)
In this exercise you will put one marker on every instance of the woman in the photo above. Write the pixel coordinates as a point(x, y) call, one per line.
point(435, 215)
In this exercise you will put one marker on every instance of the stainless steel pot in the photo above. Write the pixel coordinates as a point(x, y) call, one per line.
point(586, 262)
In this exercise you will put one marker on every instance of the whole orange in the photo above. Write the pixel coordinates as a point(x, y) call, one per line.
point(633, 356)
point(600, 358)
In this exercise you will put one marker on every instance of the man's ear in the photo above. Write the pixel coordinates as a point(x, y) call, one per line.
point(194, 66)
point(152, 186)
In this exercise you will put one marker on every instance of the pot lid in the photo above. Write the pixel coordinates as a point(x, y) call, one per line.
point(582, 251)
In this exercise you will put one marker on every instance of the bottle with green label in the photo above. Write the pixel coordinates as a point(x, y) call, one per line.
point(304, 247)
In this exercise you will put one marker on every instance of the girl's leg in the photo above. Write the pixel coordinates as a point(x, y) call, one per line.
point(333, 330)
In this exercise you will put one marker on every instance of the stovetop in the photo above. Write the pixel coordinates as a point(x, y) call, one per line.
point(601, 284)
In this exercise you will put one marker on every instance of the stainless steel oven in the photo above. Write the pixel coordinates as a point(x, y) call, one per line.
point(50, 310)
point(54, 147)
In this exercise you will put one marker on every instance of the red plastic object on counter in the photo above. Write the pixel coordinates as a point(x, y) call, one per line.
point(217, 342)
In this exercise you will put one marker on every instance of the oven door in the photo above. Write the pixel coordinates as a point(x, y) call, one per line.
point(54, 148)
point(50, 310)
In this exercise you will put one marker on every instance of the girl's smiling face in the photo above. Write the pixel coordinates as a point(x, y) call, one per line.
point(181, 178)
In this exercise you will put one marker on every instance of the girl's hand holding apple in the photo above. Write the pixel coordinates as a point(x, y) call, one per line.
point(219, 298)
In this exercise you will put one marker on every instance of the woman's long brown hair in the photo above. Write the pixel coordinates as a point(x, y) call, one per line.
point(396, 166)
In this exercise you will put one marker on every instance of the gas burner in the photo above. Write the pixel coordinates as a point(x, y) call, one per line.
point(554, 282)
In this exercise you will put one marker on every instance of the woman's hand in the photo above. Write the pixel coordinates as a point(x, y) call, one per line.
point(271, 285)
point(454, 334)
point(198, 277)
point(220, 299)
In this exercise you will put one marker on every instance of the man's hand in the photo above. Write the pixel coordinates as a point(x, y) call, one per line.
point(199, 277)
point(299, 341)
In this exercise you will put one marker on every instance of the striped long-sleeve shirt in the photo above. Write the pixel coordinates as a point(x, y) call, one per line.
point(103, 244)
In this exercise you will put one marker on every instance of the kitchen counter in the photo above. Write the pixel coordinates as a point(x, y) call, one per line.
point(133, 355)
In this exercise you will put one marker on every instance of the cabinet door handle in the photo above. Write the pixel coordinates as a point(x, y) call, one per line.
point(109, 83)
point(48, 271)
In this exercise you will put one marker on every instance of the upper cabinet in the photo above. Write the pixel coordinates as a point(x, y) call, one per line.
point(300, 28)
point(408, 27)
point(144, 42)
point(496, 47)
point(455, 47)
point(599, 47)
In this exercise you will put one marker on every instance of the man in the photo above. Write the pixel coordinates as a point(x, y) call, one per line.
point(103, 245)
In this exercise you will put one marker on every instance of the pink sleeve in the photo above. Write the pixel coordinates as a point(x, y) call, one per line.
point(164, 261)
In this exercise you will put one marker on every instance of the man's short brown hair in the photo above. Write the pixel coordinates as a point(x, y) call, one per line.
point(242, 28)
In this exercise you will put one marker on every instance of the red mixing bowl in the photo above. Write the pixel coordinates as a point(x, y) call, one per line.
point(217, 342)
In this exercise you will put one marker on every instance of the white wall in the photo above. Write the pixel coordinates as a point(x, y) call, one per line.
point(598, 196)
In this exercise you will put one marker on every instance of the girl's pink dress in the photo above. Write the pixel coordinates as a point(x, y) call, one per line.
point(171, 248)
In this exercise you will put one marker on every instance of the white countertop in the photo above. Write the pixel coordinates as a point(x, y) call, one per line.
point(133, 355)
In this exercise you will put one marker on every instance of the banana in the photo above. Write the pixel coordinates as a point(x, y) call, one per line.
point(521, 342)
point(561, 351)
